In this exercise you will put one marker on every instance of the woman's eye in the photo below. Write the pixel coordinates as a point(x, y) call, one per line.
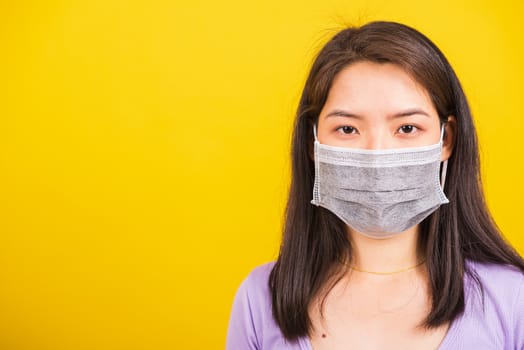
point(346, 129)
point(407, 129)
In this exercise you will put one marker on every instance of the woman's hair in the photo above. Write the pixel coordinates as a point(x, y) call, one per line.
point(315, 241)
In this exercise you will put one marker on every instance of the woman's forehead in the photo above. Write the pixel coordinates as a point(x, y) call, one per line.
point(366, 87)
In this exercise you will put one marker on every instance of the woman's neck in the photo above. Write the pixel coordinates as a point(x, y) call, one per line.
point(385, 255)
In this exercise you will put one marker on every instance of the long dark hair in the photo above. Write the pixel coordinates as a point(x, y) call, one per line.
point(315, 241)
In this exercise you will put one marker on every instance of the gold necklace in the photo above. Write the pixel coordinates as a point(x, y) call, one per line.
point(388, 273)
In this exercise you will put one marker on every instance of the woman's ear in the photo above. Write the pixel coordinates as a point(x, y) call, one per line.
point(450, 135)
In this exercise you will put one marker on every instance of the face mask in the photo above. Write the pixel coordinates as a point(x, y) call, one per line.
point(379, 192)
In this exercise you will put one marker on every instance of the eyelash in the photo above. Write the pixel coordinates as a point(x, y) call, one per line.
point(414, 128)
point(341, 129)
point(353, 129)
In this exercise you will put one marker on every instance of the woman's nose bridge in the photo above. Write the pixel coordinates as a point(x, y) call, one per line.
point(377, 139)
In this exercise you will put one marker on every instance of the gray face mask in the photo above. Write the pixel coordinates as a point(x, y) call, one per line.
point(379, 192)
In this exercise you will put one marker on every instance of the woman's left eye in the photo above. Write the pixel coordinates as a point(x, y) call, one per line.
point(407, 129)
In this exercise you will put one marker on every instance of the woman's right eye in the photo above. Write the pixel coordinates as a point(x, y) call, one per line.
point(346, 129)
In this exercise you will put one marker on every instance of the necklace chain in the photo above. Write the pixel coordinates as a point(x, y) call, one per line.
point(388, 273)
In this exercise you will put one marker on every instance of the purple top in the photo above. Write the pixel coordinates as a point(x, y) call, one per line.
point(499, 326)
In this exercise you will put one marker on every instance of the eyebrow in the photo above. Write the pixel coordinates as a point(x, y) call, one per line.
point(405, 113)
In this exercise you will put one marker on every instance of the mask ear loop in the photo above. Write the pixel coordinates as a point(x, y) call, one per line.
point(316, 185)
point(444, 163)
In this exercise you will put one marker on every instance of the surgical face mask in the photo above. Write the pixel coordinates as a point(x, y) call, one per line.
point(379, 193)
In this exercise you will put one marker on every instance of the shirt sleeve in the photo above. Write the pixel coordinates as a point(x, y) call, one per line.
point(241, 333)
point(518, 312)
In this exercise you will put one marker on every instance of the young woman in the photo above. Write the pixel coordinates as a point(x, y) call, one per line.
point(387, 243)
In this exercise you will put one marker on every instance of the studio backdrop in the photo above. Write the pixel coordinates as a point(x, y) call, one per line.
point(144, 152)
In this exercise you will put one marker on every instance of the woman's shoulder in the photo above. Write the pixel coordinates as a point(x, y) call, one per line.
point(497, 271)
point(494, 312)
point(255, 286)
point(251, 324)
point(254, 289)
point(500, 285)
point(259, 276)
point(497, 278)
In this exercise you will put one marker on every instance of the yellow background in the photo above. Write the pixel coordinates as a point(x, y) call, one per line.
point(144, 152)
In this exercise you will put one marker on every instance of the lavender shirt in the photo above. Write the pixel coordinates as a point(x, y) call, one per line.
point(499, 326)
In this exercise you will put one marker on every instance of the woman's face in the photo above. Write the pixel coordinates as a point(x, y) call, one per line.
point(378, 106)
